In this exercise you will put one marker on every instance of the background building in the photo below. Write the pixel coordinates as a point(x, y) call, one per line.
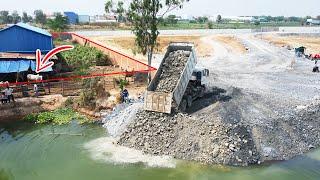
point(84, 19)
point(73, 18)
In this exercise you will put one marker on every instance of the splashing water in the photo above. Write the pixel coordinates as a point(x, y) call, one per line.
point(105, 149)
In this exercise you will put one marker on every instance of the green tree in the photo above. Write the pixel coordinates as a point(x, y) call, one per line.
point(171, 19)
point(4, 17)
point(59, 23)
point(108, 6)
point(202, 19)
point(210, 25)
point(120, 11)
point(145, 18)
point(40, 17)
point(294, 19)
point(15, 17)
point(25, 17)
point(219, 19)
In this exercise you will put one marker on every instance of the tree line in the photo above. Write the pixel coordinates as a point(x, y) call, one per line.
point(14, 17)
point(58, 23)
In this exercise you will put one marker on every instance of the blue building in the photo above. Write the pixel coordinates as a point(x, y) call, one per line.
point(18, 44)
point(73, 18)
point(23, 38)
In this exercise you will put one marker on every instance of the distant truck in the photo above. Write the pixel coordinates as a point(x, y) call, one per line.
point(191, 85)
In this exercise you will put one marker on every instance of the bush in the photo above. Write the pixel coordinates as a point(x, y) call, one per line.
point(210, 25)
point(93, 90)
point(59, 116)
point(81, 58)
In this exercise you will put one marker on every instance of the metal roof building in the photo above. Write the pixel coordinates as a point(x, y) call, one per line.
point(23, 38)
point(18, 44)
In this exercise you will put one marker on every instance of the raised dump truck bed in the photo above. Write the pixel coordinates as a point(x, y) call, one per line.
point(167, 88)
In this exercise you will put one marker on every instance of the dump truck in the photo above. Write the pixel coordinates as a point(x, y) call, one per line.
point(190, 86)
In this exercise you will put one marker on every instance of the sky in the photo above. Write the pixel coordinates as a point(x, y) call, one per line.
point(192, 8)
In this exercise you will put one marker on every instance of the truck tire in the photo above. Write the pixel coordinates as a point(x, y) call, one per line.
point(201, 93)
point(183, 105)
point(189, 101)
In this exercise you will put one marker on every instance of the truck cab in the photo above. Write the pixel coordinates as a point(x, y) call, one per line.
point(200, 75)
point(196, 88)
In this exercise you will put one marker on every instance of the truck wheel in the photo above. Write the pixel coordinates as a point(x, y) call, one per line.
point(183, 105)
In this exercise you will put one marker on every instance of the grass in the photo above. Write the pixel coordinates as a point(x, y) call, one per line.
point(60, 116)
point(188, 25)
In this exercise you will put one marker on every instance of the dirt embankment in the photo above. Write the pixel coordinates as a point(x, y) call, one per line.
point(24, 106)
point(232, 43)
point(311, 43)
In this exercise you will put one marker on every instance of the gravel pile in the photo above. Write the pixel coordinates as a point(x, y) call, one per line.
point(183, 137)
point(172, 68)
point(229, 133)
point(288, 137)
point(121, 116)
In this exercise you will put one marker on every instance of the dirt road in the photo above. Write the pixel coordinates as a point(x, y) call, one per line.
point(267, 89)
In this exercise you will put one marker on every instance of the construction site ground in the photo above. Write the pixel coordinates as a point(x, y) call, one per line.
point(263, 105)
point(295, 40)
point(128, 43)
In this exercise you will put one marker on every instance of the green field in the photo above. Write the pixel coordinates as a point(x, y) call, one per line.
point(187, 25)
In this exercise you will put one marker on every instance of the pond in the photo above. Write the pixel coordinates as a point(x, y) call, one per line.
point(32, 152)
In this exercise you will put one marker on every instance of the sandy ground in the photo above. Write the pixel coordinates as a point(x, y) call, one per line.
point(127, 44)
point(25, 106)
point(311, 43)
point(232, 43)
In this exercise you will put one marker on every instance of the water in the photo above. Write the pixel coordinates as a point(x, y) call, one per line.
point(32, 152)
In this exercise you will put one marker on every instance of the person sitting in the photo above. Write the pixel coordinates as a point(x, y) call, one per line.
point(4, 98)
point(125, 96)
point(8, 92)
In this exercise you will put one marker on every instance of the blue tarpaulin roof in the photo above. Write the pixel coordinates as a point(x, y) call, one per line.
point(13, 66)
point(33, 67)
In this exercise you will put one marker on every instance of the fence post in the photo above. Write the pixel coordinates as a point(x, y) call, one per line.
point(49, 89)
point(104, 80)
point(62, 87)
point(21, 87)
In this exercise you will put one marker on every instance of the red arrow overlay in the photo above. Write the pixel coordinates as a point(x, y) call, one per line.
point(42, 65)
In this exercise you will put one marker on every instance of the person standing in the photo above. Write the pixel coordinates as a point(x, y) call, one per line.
point(8, 92)
point(36, 90)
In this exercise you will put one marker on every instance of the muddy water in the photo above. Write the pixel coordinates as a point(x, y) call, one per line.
point(76, 152)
